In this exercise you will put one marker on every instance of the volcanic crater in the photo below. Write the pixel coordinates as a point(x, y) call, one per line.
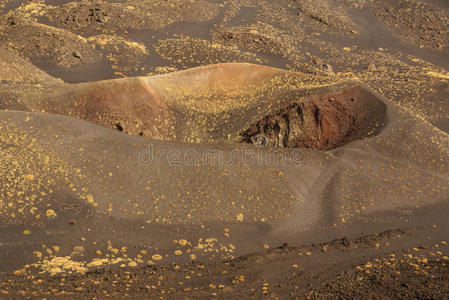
point(321, 122)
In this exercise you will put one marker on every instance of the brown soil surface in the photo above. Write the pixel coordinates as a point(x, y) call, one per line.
point(422, 24)
point(127, 165)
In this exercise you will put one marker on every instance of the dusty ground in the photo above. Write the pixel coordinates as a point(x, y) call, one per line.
point(365, 214)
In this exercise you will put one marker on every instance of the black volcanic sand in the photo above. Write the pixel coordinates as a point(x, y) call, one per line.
point(116, 188)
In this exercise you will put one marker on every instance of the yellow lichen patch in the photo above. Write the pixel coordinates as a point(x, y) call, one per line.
point(156, 257)
point(33, 9)
point(50, 213)
point(104, 40)
point(40, 168)
point(182, 242)
point(132, 264)
point(438, 75)
point(126, 57)
point(162, 70)
point(90, 198)
point(185, 50)
point(103, 261)
point(77, 250)
point(57, 265)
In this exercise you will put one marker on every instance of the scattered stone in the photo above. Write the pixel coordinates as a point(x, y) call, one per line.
point(76, 54)
point(328, 68)
point(317, 60)
point(345, 242)
point(371, 67)
point(261, 140)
